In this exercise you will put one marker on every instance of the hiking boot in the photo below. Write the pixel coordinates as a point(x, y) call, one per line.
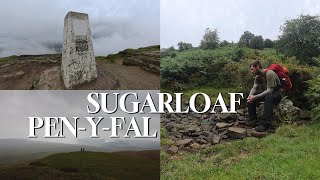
point(250, 122)
point(262, 127)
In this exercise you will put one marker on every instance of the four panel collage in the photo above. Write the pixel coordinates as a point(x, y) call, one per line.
point(160, 89)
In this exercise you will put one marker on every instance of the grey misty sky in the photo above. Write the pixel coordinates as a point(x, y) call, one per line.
point(19, 105)
point(36, 26)
point(186, 20)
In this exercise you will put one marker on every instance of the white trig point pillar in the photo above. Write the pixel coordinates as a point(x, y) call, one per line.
point(78, 64)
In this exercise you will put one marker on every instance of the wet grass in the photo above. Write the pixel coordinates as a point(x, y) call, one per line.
point(293, 152)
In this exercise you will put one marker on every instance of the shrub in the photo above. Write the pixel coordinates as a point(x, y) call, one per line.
point(268, 43)
point(218, 68)
point(237, 75)
point(314, 97)
point(184, 46)
point(224, 43)
point(238, 54)
point(167, 52)
point(299, 75)
point(194, 68)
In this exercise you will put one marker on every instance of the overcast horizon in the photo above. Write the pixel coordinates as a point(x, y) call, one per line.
point(15, 122)
point(36, 26)
point(186, 22)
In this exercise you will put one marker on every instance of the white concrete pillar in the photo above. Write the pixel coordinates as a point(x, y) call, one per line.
point(78, 64)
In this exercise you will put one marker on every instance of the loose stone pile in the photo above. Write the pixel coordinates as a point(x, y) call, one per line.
point(193, 131)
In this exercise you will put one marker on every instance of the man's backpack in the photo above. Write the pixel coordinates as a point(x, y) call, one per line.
point(282, 73)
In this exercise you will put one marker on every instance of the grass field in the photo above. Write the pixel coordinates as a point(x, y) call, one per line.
point(88, 165)
point(6, 59)
point(293, 152)
point(127, 52)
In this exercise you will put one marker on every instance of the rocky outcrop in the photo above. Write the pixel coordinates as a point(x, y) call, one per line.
point(285, 111)
point(12, 75)
point(49, 79)
point(43, 72)
point(149, 61)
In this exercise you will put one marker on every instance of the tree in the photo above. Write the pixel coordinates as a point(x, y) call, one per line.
point(210, 39)
point(256, 42)
point(245, 39)
point(300, 38)
point(184, 46)
point(268, 43)
point(164, 52)
point(224, 43)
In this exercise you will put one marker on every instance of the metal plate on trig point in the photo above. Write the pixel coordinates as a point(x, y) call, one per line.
point(79, 27)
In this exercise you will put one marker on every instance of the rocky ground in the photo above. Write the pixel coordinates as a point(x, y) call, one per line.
point(139, 70)
point(42, 72)
point(192, 131)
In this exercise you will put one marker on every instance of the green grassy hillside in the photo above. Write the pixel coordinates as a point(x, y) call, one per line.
point(290, 153)
point(88, 165)
point(228, 67)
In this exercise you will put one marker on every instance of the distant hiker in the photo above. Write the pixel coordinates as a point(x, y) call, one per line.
point(264, 79)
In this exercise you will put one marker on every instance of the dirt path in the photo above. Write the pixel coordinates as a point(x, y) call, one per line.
point(21, 72)
point(131, 77)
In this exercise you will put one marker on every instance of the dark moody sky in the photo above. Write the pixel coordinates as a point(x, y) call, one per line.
point(36, 26)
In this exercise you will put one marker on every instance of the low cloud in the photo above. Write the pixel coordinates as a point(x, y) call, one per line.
point(35, 27)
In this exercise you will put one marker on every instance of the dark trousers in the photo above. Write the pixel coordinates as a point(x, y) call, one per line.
point(270, 101)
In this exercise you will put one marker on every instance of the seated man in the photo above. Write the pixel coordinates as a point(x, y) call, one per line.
point(271, 96)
